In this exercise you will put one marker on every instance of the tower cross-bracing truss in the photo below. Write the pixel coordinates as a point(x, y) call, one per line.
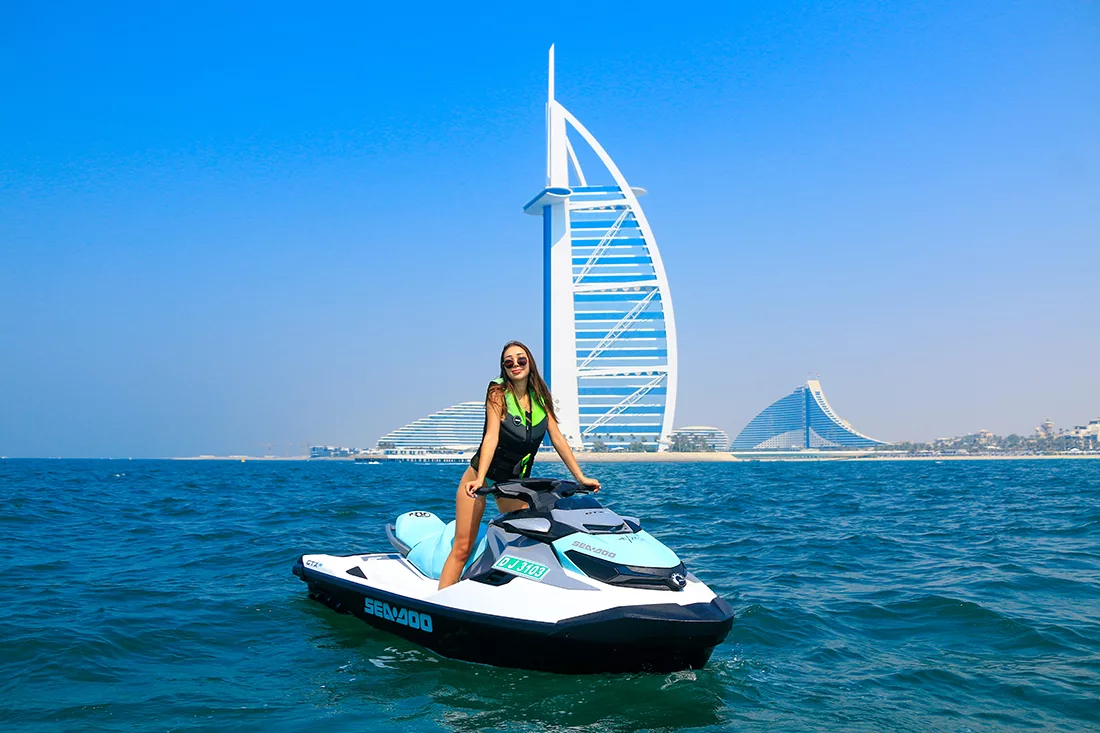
point(609, 337)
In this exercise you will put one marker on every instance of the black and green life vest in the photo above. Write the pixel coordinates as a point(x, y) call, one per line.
point(520, 437)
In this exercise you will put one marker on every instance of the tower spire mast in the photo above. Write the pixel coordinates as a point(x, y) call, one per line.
point(557, 161)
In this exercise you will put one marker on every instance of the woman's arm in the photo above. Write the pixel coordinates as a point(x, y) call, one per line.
point(493, 411)
point(561, 445)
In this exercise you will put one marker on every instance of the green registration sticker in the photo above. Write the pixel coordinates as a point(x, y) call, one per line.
point(526, 568)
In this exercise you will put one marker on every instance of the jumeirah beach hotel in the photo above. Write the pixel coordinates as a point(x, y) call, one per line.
point(609, 337)
point(803, 419)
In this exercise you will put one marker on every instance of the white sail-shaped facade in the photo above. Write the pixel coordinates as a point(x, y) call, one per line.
point(609, 337)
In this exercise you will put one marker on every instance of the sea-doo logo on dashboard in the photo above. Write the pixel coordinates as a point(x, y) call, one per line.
point(595, 550)
point(397, 615)
point(419, 514)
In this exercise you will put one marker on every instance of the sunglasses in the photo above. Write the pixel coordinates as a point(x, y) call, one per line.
point(521, 361)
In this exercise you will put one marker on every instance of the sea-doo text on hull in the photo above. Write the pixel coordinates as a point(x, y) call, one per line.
point(565, 585)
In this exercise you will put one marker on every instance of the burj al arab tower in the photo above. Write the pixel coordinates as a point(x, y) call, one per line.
point(609, 337)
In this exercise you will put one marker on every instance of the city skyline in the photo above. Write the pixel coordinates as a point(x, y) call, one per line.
point(224, 231)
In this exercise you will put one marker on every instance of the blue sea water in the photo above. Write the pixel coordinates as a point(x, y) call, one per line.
point(908, 596)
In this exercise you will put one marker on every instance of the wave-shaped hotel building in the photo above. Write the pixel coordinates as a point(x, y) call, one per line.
point(456, 428)
point(803, 419)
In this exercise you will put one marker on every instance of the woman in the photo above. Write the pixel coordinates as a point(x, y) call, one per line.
point(518, 413)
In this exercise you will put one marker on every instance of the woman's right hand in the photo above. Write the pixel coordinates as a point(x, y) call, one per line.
point(472, 486)
point(590, 483)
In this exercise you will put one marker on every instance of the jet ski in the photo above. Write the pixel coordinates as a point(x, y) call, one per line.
point(563, 585)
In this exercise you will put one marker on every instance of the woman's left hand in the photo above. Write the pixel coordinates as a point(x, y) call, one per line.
point(590, 483)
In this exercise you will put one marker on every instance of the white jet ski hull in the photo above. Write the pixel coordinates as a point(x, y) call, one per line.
point(515, 621)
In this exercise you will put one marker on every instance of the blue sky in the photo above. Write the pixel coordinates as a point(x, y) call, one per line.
point(223, 229)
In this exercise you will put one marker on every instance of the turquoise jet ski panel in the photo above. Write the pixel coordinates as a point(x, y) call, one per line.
point(636, 548)
point(430, 541)
point(413, 527)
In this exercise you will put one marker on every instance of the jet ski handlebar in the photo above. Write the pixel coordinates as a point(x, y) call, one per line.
point(534, 491)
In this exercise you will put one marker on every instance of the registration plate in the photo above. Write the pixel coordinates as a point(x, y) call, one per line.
point(517, 566)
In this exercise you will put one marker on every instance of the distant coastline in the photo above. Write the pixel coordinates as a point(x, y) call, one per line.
point(700, 457)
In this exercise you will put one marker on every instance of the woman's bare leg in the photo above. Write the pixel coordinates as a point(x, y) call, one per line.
point(468, 513)
point(505, 504)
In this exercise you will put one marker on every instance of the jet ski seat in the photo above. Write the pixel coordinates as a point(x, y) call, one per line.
point(430, 541)
point(412, 527)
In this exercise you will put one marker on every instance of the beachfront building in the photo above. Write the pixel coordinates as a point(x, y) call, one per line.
point(699, 438)
point(456, 428)
point(803, 419)
point(609, 337)
point(329, 451)
point(1090, 431)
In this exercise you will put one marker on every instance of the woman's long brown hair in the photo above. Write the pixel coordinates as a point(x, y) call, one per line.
point(534, 382)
